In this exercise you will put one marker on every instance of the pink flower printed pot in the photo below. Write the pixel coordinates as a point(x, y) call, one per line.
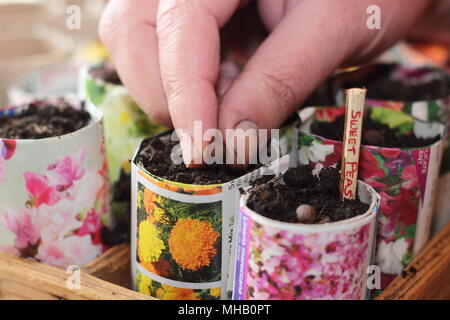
point(405, 178)
point(54, 196)
point(425, 96)
point(288, 261)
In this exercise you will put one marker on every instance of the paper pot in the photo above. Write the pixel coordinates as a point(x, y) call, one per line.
point(54, 196)
point(406, 180)
point(425, 96)
point(288, 261)
point(182, 235)
point(125, 125)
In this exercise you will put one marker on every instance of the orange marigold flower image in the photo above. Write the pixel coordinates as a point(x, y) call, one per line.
point(192, 243)
point(172, 293)
point(149, 197)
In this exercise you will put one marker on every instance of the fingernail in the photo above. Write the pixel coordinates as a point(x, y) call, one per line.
point(244, 156)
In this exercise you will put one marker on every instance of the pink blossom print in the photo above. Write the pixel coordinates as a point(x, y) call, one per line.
point(61, 175)
point(23, 225)
point(67, 169)
point(62, 221)
point(40, 190)
point(285, 265)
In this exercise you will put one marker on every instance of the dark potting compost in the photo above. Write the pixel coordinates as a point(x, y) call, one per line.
point(155, 156)
point(107, 73)
point(279, 198)
point(40, 120)
point(382, 83)
point(374, 134)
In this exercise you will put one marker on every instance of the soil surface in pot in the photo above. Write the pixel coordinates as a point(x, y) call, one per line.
point(280, 197)
point(41, 120)
point(381, 83)
point(374, 134)
point(155, 156)
point(106, 73)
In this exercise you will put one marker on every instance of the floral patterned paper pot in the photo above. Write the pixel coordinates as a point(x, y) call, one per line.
point(405, 178)
point(182, 234)
point(292, 261)
point(423, 92)
point(125, 126)
point(54, 200)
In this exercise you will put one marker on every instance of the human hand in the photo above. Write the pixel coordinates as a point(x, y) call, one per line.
point(168, 54)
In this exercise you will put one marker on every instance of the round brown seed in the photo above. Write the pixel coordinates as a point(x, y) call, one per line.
point(305, 213)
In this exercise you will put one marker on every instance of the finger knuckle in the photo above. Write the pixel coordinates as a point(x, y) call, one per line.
point(279, 90)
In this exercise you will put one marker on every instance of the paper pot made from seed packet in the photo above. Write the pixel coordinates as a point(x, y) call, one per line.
point(431, 103)
point(54, 192)
point(125, 126)
point(405, 178)
point(423, 92)
point(182, 234)
point(292, 261)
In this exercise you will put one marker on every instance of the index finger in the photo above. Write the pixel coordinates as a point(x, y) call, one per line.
point(189, 52)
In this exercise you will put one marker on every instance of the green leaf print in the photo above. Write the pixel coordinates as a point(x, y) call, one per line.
point(406, 259)
point(397, 120)
point(305, 140)
point(95, 92)
point(410, 231)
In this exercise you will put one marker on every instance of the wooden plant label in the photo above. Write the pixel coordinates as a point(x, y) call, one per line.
point(352, 141)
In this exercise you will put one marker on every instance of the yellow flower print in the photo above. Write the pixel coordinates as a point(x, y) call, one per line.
point(159, 214)
point(139, 198)
point(150, 245)
point(124, 117)
point(144, 284)
point(152, 206)
point(215, 292)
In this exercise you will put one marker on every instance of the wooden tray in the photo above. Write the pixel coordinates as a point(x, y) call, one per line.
point(108, 277)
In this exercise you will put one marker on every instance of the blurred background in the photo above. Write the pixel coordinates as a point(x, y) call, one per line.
point(44, 43)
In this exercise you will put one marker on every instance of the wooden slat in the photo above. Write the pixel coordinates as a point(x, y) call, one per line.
point(428, 276)
point(113, 266)
point(25, 279)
